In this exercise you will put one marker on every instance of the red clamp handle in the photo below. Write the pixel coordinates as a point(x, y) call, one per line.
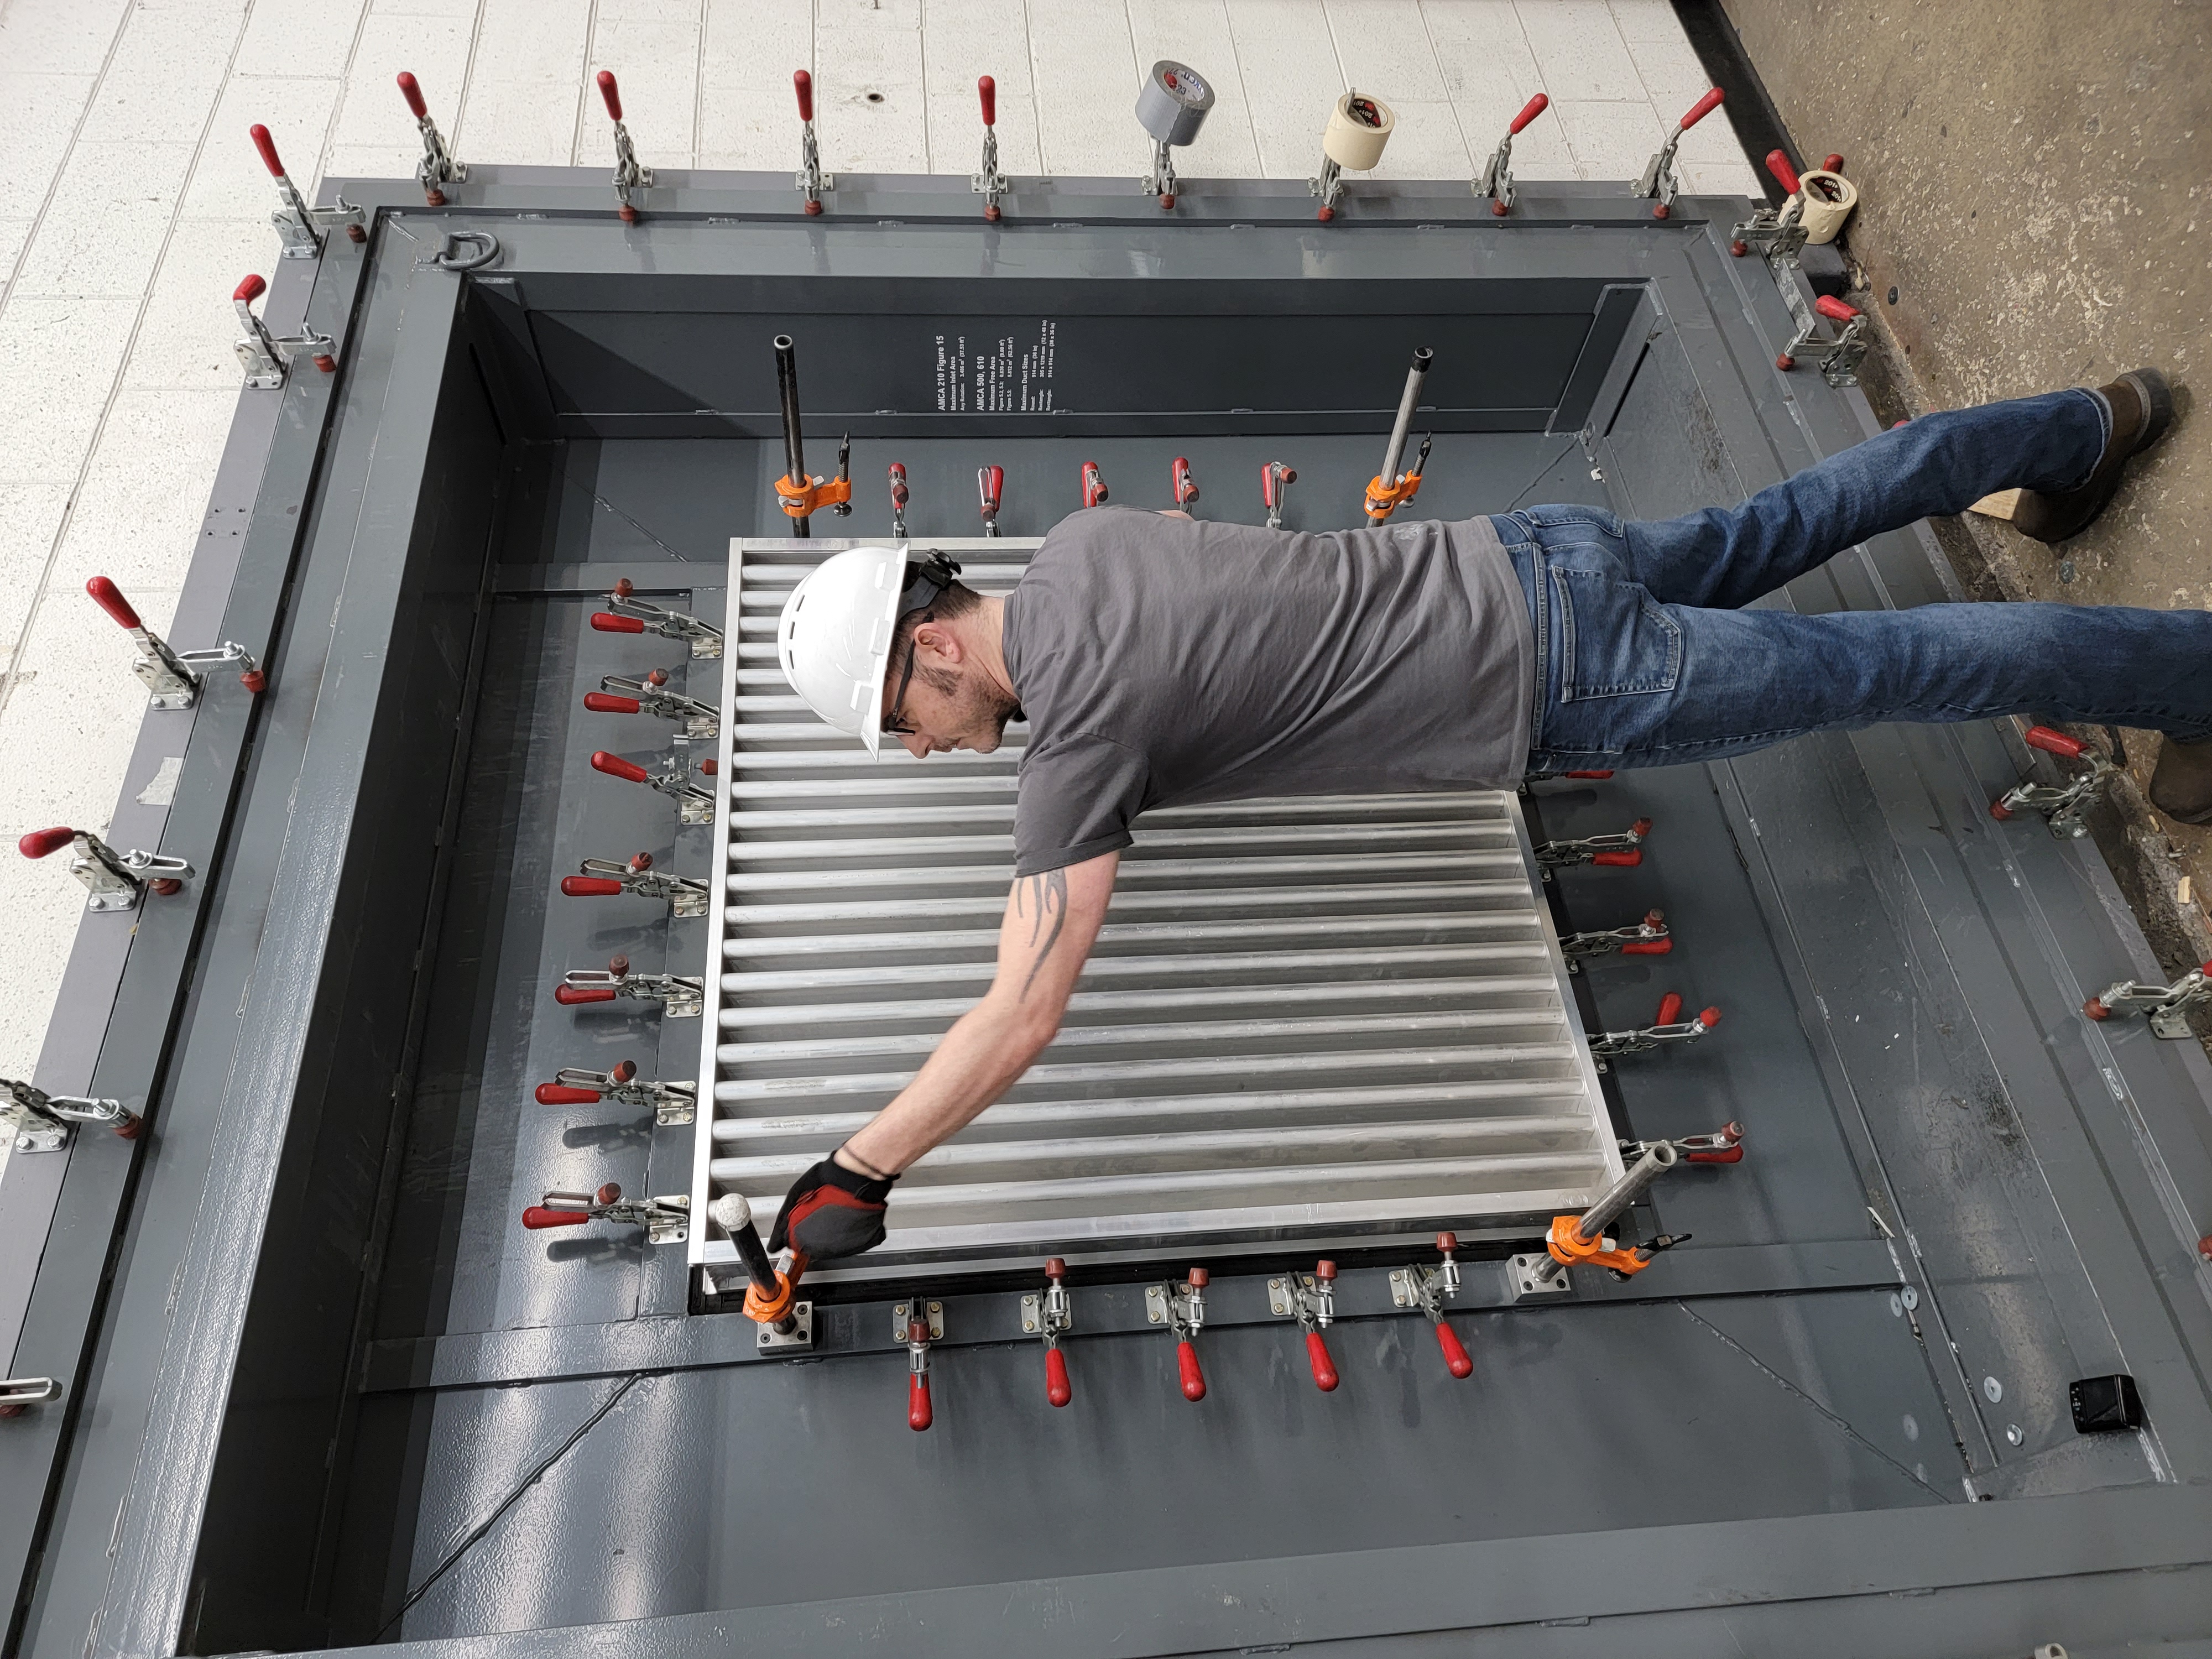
point(1726, 1155)
point(590, 886)
point(1648, 947)
point(1586, 775)
point(1194, 1380)
point(1056, 1386)
point(267, 146)
point(1670, 1009)
point(1094, 484)
point(1628, 860)
point(803, 84)
point(537, 1216)
point(1530, 110)
point(607, 622)
point(411, 90)
point(616, 767)
point(1785, 174)
point(992, 481)
point(1833, 164)
point(1704, 106)
point(570, 995)
point(1709, 1018)
point(611, 93)
point(109, 598)
point(40, 842)
point(987, 90)
point(1324, 1368)
point(918, 1415)
point(1834, 310)
point(560, 1094)
point(605, 703)
point(2056, 742)
point(250, 288)
point(1456, 1359)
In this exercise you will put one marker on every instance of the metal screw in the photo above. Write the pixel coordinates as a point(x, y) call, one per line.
point(2012, 1434)
point(1910, 1296)
point(2066, 570)
point(1892, 294)
point(1993, 1389)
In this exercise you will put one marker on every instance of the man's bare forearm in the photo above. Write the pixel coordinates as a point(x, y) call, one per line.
point(982, 1057)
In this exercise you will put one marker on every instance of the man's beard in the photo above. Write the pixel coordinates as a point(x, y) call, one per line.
point(978, 705)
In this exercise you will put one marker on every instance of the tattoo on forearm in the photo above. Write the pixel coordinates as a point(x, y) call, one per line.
point(1041, 898)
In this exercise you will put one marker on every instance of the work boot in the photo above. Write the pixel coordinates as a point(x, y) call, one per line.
point(2143, 408)
point(2181, 786)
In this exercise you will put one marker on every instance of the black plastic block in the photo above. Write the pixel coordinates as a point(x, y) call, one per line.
point(2103, 1403)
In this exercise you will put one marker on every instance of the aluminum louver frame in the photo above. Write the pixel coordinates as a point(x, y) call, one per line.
point(1303, 1017)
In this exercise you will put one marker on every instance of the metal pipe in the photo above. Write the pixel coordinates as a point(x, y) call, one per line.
point(1657, 1159)
point(1194, 964)
point(1409, 402)
point(1154, 870)
point(794, 449)
point(1126, 903)
point(1220, 1108)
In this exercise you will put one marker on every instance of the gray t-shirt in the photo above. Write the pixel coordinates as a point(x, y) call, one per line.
point(1162, 662)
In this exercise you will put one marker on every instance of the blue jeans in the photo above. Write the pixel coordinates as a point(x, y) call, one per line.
point(1644, 658)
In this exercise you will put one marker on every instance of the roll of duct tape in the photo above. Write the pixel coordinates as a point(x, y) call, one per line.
point(1358, 129)
point(1173, 102)
point(1823, 217)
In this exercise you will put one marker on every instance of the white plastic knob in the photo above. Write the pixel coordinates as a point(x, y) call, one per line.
point(731, 1212)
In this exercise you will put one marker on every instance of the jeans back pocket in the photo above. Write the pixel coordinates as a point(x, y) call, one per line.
point(1614, 638)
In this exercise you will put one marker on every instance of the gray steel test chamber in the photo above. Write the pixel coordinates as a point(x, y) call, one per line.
point(319, 1388)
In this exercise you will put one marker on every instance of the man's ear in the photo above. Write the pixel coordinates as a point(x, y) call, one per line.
point(940, 642)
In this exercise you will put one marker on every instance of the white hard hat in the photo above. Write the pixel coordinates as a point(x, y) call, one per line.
point(835, 637)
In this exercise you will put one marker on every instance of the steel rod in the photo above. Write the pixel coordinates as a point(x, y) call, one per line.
point(1210, 965)
point(1408, 402)
point(1125, 902)
point(1659, 1157)
point(786, 389)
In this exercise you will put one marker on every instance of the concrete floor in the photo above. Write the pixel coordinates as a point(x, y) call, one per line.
point(2036, 184)
point(132, 203)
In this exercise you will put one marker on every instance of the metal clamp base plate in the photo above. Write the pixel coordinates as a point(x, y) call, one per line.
point(801, 1335)
point(900, 1318)
point(1536, 1274)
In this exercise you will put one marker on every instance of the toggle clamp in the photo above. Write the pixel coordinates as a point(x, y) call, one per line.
point(437, 168)
point(1648, 937)
point(1659, 184)
point(1528, 778)
point(695, 804)
point(45, 1122)
point(672, 1104)
point(1051, 1315)
point(650, 695)
point(1838, 358)
point(605, 879)
point(628, 614)
point(2065, 805)
point(268, 358)
point(1496, 180)
point(1181, 1308)
point(1094, 485)
point(1622, 849)
point(172, 676)
point(1429, 1289)
point(666, 1220)
point(898, 502)
point(19, 1393)
point(1182, 483)
point(990, 490)
point(116, 879)
point(988, 182)
point(628, 175)
point(2167, 1006)
point(1275, 480)
point(679, 996)
point(1171, 107)
point(918, 1324)
point(1723, 1145)
point(810, 181)
point(1310, 1298)
point(771, 1301)
point(299, 227)
point(1778, 234)
point(1669, 1027)
point(1390, 489)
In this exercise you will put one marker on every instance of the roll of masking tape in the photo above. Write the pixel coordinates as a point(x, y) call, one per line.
point(1358, 129)
point(1822, 218)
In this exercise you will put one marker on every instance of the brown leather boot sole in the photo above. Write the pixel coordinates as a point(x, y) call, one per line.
point(2142, 409)
point(2181, 784)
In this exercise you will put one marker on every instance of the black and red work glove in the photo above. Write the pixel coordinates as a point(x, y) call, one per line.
point(830, 1211)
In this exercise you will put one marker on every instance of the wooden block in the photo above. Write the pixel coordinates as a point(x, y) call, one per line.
point(2002, 505)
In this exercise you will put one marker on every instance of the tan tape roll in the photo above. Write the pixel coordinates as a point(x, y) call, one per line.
point(1349, 142)
point(1823, 218)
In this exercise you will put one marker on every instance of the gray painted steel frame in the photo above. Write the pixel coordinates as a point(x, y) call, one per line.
point(2003, 934)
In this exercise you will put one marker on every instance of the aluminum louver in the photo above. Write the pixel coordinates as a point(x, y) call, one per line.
point(1307, 1018)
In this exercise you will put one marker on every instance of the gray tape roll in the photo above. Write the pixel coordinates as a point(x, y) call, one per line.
point(1172, 106)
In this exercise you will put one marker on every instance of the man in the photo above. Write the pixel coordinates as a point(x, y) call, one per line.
point(1162, 663)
